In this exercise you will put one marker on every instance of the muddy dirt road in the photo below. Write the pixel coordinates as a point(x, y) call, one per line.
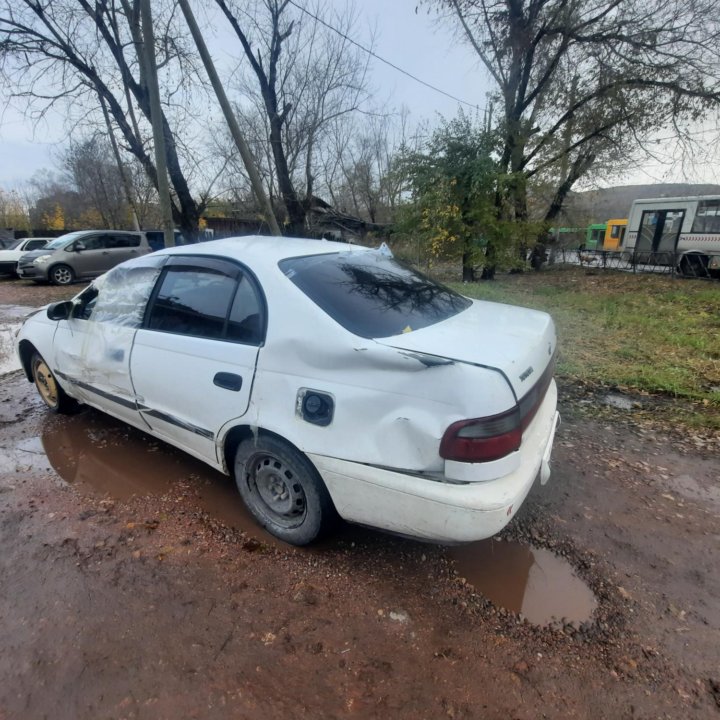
point(133, 585)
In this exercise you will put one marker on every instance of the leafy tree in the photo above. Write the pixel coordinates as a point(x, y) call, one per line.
point(54, 218)
point(454, 185)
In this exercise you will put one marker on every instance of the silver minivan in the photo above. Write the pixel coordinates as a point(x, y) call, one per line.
point(82, 254)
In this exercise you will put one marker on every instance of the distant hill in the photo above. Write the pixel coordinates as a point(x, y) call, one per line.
point(600, 205)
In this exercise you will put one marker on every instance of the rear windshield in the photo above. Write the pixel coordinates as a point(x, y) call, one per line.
point(372, 295)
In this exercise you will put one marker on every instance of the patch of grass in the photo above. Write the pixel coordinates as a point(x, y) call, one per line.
point(645, 333)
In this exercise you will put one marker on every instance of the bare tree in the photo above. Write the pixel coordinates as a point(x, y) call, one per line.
point(90, 169)
point(97, 179)
point(361, 164)
point(302, 76)
point(578, 81)
point(13, 211)
point(56, 204)
point(76, 52)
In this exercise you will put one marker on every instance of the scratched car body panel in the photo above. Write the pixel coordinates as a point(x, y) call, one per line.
point(327, 378)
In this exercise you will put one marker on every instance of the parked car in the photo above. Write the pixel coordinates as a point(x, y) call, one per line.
point(82, 254)
point(9, 257)
point(329, 379)
point(156, 238)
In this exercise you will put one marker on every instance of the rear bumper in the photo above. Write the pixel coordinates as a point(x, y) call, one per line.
point(441, 511)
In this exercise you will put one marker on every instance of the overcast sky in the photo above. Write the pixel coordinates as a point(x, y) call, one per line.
point(412, 40)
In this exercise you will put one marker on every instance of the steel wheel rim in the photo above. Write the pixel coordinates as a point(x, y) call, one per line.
point(62, 276)
point(280, 497)
point(45, 383)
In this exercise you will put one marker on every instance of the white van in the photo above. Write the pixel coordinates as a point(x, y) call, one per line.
point(684, 231)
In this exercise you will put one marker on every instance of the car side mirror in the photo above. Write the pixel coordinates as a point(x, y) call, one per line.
point(60, 310)
point(80, 245)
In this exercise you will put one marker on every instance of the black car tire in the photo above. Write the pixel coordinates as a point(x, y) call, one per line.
point(694, 265)
point(56, 399)
point(283, 490)
point(61, 275)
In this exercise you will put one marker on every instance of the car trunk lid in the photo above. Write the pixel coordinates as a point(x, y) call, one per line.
point(518, 342)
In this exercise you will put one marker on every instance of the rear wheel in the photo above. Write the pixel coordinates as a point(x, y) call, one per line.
point(50, 391)
point(283, 490)
point(61, 275)
point(694, 265)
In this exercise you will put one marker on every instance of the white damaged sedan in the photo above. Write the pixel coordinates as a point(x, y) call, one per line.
point(329, 379)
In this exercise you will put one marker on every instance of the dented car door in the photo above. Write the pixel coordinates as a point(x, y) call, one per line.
point(193, 362)
point(93, 347)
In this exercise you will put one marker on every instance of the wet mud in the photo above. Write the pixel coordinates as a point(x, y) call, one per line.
point(105, 457)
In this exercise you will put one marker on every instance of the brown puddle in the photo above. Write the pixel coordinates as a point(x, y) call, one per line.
point(112, 459)
point(531, 581)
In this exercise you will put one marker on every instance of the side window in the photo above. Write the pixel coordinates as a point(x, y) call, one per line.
point(123, 241)
point(246, 318)
point(114, 241)
point(119, 297)
point(84, 304)
point(35, 245)
point(707, 218)
point(94, 242)
point(712, 219)
point(193, 302)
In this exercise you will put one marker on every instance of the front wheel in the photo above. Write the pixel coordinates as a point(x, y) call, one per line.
point(283, 490)
point(61, 275)
point(50, 391)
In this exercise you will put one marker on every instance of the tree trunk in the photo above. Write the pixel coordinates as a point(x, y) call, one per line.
point(468, 269)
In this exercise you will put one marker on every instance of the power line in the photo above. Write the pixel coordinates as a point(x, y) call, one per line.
point(383, 60)
point(687, 133)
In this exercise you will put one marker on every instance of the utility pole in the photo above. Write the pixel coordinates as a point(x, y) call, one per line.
point(157, 125)
point(242, 146)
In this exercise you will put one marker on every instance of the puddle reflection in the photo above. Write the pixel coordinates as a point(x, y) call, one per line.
point(25, 456)
point(532, 581)
point(109, 458)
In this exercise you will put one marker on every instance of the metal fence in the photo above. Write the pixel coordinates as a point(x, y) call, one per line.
point(693, 265)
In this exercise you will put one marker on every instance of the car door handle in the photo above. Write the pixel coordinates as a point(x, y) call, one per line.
point(228, 381)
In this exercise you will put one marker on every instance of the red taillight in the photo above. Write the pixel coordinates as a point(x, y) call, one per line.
point(494, 437)
point(483, 439)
